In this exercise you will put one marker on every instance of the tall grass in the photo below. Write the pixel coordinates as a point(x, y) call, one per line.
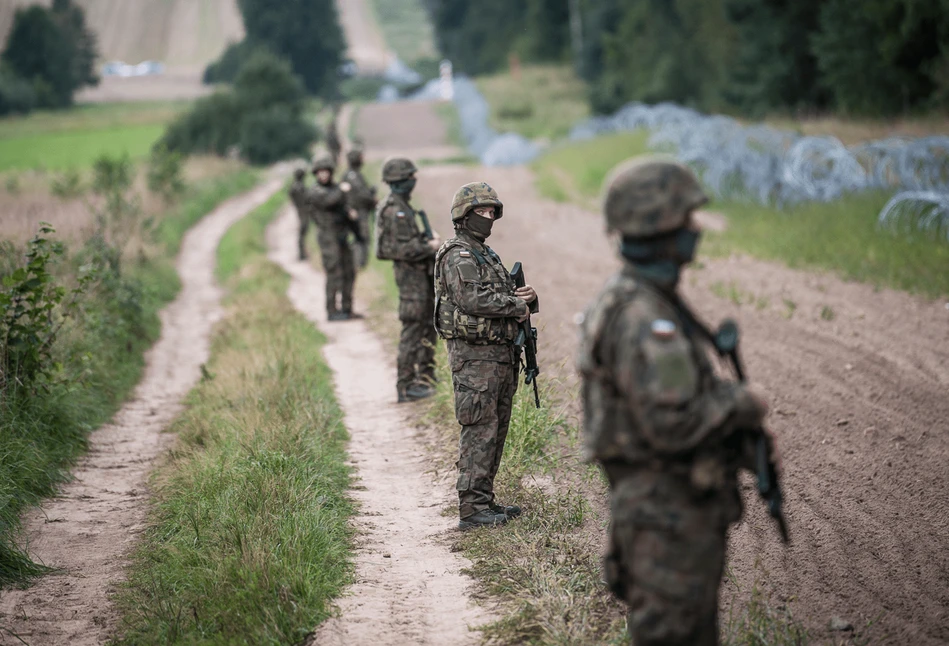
point(248, 539)
point(840, 236)
point(541, 102)
point(102, 353)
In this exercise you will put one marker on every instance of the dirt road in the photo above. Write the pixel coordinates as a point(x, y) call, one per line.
point(857, 379)
point(89, 529)
point(365, 44)
point(409, 588)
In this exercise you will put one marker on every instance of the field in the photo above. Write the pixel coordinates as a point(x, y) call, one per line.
point(180, 33)
point(841, 236)
point(406, 28)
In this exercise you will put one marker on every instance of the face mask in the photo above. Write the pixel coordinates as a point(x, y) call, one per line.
point(480, 226)
point(687, 241)
point(404, 187)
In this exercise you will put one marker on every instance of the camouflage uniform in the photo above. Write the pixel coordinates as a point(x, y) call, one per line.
point(361, 197)
point(476, 313)
point(333, 143)
point(298, 197)
point(327, 206)
point(662, 425)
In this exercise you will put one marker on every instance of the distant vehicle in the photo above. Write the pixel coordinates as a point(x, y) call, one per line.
point(125, 70)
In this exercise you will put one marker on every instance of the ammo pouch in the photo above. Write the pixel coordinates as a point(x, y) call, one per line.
point(451, 323)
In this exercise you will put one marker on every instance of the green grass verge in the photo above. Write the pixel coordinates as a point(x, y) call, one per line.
point(543, 103)
point(841, 236)
point(58, 140)
point(248, 538)
point(41, 435)
point(406, 28)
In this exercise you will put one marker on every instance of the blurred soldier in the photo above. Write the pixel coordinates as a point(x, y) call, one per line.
point(298, 197)
point(360, 197)
point(666, 430)
point(477, 310)
point(405, 237)
point(332, 136)
point(334, 222)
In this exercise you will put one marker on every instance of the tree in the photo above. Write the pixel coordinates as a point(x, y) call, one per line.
point(53, 50)
point(305, 32)
point(891, 56)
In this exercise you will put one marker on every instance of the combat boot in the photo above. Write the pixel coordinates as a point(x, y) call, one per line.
point(337, 316)
point(511, 511)
point(415, 392)
point(484, 518)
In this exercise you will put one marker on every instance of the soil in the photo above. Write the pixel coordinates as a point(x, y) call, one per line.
point(89, 529)
point(393, 129)
point(857, 379)
point(409, 588)
point(365, 45)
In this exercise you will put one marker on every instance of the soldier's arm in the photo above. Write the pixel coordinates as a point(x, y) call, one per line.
point(656, 372)
point(398, 239)
point(463, 282)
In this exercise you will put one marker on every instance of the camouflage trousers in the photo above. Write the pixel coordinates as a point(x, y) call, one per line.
point(340, 270)
point(416, 360)
point(484, 398)
point(666, 557)
point(304, 227)
point(361, 249)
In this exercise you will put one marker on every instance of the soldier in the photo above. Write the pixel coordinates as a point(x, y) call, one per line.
point(362, 198)
point(477, 308)
point(667, 431)
point(332, 137)
point(412, 247)
point(298, 197)
point(334, 222)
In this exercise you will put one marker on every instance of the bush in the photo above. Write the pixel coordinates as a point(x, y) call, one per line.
point(267, 96)
point(225, 69)
point(275, 134)
point(17, 96)
point(67, 185)
point(166, 173)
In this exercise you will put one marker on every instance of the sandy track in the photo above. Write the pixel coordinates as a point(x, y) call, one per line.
point(860, 407)
point(409, 588)
point(90, 527)
point(365, 44)
point(396, 129)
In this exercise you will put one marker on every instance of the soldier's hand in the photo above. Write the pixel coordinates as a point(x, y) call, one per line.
point(526, 293)
point(435, 244)
point(353, 214)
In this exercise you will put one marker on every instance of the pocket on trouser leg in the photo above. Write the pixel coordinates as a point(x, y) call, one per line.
point(469, 405)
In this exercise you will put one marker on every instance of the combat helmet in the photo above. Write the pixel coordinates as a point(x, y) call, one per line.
point(473, 195)
point(354, 156)
point(650, 195)
point(299, 173)
point(324, 162)
point(397, 169)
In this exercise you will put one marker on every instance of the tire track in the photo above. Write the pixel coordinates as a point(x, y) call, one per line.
point(89, 529)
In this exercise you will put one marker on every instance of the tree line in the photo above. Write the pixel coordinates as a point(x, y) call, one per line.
point(50, 54)
point(860, 57)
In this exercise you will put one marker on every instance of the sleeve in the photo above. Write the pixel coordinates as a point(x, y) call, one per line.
point(464, 287)
point(677, 408)
point(397, 240)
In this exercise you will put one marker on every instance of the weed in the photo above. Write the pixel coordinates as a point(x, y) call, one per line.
point(789, 308)
point(66, 185)
point(827, 313)
point(12, 184)
point(166, 174)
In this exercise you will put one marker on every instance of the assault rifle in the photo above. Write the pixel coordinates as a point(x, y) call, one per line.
point(426, 226)
point(526, 339)
point(769, 487)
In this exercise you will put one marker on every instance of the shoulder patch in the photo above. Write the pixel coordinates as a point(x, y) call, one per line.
point(400, 214)
point(464, 254)
point(663, 329)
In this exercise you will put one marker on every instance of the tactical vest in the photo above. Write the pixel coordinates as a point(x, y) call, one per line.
point(452, 323)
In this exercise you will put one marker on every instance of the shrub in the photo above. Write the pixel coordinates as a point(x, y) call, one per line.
point(66, 185)
point(166, 173)
point(275, 134)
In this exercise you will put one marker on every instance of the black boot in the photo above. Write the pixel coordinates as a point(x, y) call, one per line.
point(415, 392)
point(484, 518)
point(511, 511)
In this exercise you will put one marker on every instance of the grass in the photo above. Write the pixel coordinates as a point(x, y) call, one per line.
point(73, 138)
point(540, 102)
point(406, 29)
point(102, 351)
point(841, 236)
point(248, 541)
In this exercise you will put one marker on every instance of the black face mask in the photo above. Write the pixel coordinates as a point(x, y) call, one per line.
point(356, 165)
point(479, 226)
point(404, 187)
point(661, 258)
